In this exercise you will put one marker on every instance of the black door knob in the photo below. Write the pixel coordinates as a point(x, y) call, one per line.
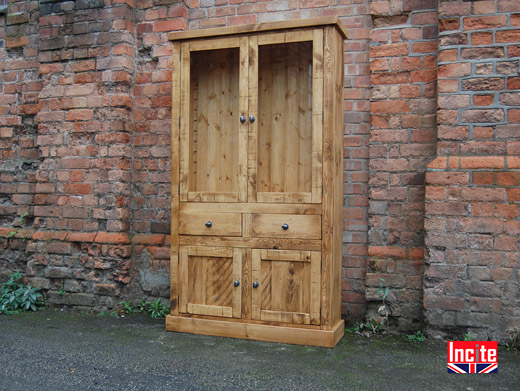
point(255, 284)
point(236, 283)
point(251, 118)
point(243, 119)
point(285, 227)
point(208, 224)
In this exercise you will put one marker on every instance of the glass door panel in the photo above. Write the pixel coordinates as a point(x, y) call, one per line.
point(210, 170)
point(290, 94)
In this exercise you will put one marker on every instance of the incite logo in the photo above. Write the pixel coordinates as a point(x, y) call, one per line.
point(472, 357)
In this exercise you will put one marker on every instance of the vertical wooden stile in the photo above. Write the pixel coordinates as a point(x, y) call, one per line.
point(174, 216)
point(243, 132)
point(252, 107)
point(338, 176)
point(184, 151)
point(327, 246)
point(317, 115)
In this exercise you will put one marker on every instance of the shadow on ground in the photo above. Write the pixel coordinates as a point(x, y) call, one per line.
point(51, 350)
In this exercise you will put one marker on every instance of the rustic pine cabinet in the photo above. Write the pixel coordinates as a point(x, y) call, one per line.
point(257, 141)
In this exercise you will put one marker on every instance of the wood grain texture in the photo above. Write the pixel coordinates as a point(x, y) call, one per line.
point(207, 281)
point(243, 132)
point(238, 255)
point(338, 180)
point(175, 201)
point(252, 148)
point(259, 332)
point(327, 248)
point(317, 116)
point(259, 27)
point(222, 224)
point(272, 243)
point(286, 288)
point(300, 227)
point(301, 209)
point(186, 120)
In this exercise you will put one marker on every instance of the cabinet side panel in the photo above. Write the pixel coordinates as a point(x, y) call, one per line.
point(338, 176)
point(184, 155)
point(174, 217)
point(329, 177)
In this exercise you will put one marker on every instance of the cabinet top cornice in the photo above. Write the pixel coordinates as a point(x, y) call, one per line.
point(258, 27)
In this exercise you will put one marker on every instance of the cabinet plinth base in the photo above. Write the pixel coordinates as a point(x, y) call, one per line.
point(259, 332)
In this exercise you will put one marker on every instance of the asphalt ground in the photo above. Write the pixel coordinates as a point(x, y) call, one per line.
point(54, 350)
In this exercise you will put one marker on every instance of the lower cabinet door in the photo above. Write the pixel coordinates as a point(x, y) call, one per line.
point(210, 281)
point(286, 286)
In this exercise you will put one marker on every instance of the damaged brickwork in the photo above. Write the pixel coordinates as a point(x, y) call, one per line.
point(431, 146)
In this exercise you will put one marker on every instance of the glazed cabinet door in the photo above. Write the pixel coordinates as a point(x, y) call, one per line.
point(286, 286)
point(213, 132)
point(210, 281)
point(286, 97)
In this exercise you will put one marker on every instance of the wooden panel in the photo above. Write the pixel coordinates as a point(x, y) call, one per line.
point(285, 317)
point(175, 205)
point(315, 302)
point(244, 109)
point(208, 275)
point(301, 209)
point(292, 335)
point(259, 27)
point(317, 115)
point(210, 251)
point(237, 276)
point(186, 119)
point(285, 37)
point(214, 138)
point(287, 291)
point(285, 119)
point(287, 244)
point(210, 310)
point(246, 283)
point(331, 230)
point(256, 295)
point(247, 225)
point(338, 180)
point(183, 273)
point(222, 224)
point(284, 197)
point(287, 255)
point(301, 227)
point(210, 44)
point(203, 196)
point(252, 110)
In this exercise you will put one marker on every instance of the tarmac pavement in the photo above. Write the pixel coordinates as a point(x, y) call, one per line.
point(54, 350)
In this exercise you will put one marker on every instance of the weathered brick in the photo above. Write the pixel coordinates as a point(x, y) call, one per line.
point(485, 22)
point(455, 70)
point(483, 116)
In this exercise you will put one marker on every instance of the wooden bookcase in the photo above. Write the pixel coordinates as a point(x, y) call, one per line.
point(257, 163)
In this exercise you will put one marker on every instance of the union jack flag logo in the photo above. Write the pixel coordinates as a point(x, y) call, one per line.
point(472, 357)
point(472, 368)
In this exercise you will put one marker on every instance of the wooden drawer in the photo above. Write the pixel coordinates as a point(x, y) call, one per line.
point(286, 226)
point(215, 224)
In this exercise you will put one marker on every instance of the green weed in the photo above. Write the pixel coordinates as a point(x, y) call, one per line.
point(16, 297)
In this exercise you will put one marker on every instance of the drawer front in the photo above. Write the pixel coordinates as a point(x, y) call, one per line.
point(286, 226)
point(215, 224)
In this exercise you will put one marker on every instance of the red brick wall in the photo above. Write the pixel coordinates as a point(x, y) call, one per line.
point(402, 142)
point(473, 186)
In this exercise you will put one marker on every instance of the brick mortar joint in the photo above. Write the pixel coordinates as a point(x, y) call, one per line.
point(97, 236)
